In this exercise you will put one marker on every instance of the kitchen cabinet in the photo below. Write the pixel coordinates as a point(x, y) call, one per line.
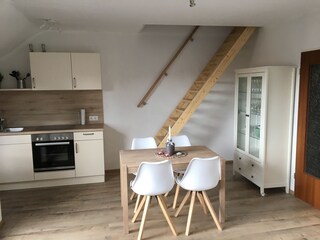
point(89, 154)
point(86, 71)
point(50, 71)
point(65, 71)
point(263, 125)
point(16, 164)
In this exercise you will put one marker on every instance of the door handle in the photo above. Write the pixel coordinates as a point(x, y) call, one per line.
point(74, 82)
point(77, 148)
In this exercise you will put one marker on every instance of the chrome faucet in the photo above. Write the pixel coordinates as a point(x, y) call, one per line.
point(3, 124)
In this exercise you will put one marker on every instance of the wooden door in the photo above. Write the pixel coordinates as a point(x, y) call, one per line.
point(307, 182)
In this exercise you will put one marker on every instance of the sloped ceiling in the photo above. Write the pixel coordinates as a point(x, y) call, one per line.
point(20, 19)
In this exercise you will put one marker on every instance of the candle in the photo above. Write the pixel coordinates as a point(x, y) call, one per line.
point(169, 135)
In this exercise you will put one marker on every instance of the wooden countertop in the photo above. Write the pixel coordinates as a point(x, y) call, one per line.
point(56, 128)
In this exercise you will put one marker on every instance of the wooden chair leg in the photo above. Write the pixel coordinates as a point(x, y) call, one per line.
point(166, 195)
point(143, 220)
point(136, 214)
point(137, 204)
point(166, 215)
point(199, 195)
point(182, 203)
point(213, 213)
point(193, 197)
point(132, 196)
point(176, 194)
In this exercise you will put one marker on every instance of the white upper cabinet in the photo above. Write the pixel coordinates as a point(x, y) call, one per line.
point(65, 71)
point(50, 71)
point(86, 71)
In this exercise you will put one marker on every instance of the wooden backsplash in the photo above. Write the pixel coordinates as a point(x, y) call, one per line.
point(42, 108)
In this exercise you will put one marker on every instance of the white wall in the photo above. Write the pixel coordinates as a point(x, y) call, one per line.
point(282, 44)
point(130, 63)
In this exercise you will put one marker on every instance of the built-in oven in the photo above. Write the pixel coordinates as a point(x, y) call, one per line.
point(53, 152)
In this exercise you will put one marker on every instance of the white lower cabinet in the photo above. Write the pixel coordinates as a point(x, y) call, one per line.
point(16, 164)
point(89, 154)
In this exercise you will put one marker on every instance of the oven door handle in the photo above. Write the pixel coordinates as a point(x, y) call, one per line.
point(51, 144)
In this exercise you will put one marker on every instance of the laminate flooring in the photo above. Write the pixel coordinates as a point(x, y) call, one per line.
point(94, 212)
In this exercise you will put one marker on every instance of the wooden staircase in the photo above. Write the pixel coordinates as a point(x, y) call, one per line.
point(204, 83)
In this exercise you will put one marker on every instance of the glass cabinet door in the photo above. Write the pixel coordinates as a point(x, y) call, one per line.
point(242, 106)
point(255, 115)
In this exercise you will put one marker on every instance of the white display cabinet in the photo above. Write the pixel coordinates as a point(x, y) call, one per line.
point(263, 125)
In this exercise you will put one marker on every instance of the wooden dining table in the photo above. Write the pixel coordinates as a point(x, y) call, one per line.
point(131, 159)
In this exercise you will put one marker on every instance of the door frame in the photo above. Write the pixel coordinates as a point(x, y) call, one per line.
point(305, 184)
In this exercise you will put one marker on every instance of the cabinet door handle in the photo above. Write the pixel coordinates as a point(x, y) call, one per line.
point(247, 115)
point(74, 82)
point(87, 134)
point(33, 83)
point(77, 148)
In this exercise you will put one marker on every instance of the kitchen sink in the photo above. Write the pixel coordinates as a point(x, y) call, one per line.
point(14, 129)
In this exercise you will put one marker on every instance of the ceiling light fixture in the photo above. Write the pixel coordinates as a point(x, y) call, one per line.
point(49, 24)
point(192, 3)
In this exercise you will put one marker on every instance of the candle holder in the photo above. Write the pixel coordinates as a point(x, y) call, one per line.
point(170, 147)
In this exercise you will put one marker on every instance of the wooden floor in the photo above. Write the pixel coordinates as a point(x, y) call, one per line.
point(93, 212)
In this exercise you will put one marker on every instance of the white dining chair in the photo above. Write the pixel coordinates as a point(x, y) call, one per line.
point(201, 175)
point(179, 141)
point(153, 179)
point(141, 143)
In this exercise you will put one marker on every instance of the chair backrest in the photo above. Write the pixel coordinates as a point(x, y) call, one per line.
point(143, 143)
point(181, 141)
point(153, 178)
point(202, 174)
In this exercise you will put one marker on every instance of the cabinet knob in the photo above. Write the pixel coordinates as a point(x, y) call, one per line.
point(240, 168)
point(252, 165)
point(239, 158)
point(251, 176)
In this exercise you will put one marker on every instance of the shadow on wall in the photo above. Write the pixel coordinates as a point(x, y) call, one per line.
point(113, 143)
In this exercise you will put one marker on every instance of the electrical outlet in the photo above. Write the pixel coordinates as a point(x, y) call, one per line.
point(93, 118)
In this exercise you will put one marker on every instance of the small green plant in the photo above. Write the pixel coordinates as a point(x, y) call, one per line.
point(16, 75)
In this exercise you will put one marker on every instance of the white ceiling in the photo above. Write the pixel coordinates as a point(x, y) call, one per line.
point(20, 19)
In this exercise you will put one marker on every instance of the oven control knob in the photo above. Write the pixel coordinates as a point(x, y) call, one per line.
point(67, 138)
point(41, 139)
point(58, 138)
point(55, 138)
point(37, 139)
point(62, 138)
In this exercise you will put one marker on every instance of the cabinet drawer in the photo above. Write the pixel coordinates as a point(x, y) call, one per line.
point(17, 139)
point(241, 164)
point(88, 135)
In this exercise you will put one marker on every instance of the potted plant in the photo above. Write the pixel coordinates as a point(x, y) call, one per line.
point(1, 77)
point(21, 83)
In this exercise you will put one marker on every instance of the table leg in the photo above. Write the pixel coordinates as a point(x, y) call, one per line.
point(124, 197)
point(222, 192)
